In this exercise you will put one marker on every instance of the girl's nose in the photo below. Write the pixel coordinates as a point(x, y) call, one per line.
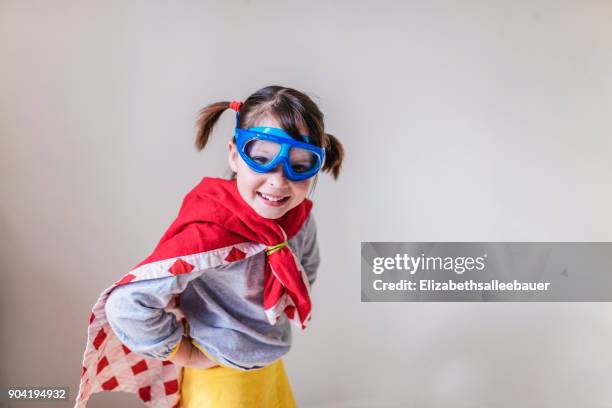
point(277, 177)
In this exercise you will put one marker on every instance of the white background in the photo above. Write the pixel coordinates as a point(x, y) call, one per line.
point(462, 121)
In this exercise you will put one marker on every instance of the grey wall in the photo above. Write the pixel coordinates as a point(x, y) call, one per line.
point(466, 121)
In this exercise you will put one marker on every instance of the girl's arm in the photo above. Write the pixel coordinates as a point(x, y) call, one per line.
point(135, 312)
point(310, 250)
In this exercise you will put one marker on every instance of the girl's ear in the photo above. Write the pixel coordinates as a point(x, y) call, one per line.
point(233, 158)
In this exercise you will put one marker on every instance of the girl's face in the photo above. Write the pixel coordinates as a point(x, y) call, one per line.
point(270, 194)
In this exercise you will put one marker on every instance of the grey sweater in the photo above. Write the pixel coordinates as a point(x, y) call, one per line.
point(223, 306)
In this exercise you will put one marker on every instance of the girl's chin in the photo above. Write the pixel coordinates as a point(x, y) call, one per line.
point(269, 215)
point(270, 212)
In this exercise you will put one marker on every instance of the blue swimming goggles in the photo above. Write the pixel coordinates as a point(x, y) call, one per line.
point(263, 148)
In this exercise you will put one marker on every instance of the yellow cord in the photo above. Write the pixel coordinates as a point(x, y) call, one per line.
point(274, 248)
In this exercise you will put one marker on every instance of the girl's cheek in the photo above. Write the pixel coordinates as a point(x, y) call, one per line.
point(304, 186)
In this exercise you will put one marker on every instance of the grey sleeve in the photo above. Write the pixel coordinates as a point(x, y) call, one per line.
point(135, 312)
point(310, 250)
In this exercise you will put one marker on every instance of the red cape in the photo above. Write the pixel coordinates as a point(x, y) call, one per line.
point(214, 227)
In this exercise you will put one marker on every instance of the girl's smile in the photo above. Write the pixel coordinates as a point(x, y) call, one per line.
point(273, 200)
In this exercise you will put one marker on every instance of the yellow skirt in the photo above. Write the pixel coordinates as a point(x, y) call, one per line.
point(225, 387)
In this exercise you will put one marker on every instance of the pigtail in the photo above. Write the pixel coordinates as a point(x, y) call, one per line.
point(334, 154)
point(208, 117)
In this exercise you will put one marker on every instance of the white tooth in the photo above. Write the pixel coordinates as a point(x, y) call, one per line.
point(276, 199)
point(270, 198)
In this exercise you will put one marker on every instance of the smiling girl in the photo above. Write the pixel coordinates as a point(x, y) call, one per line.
point(208, 314)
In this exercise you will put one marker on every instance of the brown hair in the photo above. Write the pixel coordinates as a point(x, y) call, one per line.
point(291, 109)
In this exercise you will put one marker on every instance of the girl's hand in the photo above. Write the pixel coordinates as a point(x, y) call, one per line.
point(199, 359)
point(189, 356)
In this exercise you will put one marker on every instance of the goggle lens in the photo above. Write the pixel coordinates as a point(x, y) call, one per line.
point(263, 152)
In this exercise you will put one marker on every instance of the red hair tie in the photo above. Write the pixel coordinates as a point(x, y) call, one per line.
point(236, 105)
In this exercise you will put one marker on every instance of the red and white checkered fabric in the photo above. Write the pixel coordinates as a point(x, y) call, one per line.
point(210, 231)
